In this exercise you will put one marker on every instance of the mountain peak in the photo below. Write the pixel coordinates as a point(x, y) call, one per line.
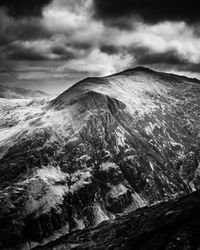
point(136, 69)
point(141, 68)
point(123, 86)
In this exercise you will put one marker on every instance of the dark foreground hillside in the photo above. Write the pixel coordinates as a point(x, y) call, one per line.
point(168, 225)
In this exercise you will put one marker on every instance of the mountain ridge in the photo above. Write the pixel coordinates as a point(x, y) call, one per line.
point(145, 69)
point(103, 148)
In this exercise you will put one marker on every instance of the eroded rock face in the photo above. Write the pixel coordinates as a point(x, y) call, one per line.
point(103, 148)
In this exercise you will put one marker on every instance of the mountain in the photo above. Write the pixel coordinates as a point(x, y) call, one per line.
point(19, 93)
point(105, 147)
point(170, 225)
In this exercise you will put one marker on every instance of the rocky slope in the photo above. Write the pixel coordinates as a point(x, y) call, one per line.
point(103, 148)
point(170, 225)
point(20, 93)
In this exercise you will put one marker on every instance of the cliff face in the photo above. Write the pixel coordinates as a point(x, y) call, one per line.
point(103, 148)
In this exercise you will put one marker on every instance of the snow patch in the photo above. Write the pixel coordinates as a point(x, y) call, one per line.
point(51, 174)
point(120, 136)
point(80, 223)
point(118, 190)
point(99, 215)
point(151, 165)
point(149, 129)
point(106, 166)
point(138, 201)
point(80, 179)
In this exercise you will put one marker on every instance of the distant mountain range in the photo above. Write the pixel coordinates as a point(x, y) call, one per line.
point(102, 149)
point(19, 93)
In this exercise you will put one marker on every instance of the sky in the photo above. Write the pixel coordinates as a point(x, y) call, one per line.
point(52, 44)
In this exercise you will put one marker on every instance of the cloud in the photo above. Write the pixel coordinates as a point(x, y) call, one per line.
point(64, 53)
point(22, 9)
point(66, 40)
point(150, 11)
point(97, 63)
point(38, 75)
point(144, 56)
point(109, 49)
point(33, 51)
point(39, 50)
point(74, 22)
point(169, 43)
point(24, 29)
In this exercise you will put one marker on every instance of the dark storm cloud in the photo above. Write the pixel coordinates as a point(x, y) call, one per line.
point(123, 23)
point(109, 49)
point(72, 42)
point(146, 56)
point(26, 31)
point(26, 54)
point(151, 11)
point(38, 51)
point(169, 60)
point(193, 67)
point(63, 52)
point(24, 8)
point(23, 51)
point(29, 30)
point(23, 29)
